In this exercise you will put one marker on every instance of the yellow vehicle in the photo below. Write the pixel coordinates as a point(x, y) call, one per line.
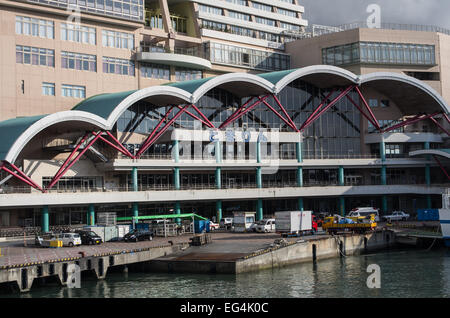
point(337, 223)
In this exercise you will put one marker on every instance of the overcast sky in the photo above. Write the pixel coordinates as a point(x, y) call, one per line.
point(337, 12)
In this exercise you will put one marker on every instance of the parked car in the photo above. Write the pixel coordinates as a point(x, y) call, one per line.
point(89, 238)
point(213, 226)
point(364, 212)
point(226, 223)
point(138, 235)
point(265, 226)
point(252, 227)
point(70, 239)
point(396, 216)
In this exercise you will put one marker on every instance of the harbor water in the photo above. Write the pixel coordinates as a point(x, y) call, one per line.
point(404, 273)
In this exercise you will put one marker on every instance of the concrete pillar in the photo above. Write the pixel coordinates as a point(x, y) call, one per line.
point(341, 176)
point(383, 175)
point(91, 220)
point(134, 178)
point(219, 210)
point(382, 149)
point(135, 209)
point(45, 219)
point(178, 211)
point(218, 178)
point(300, 204)
point(176, 178)
point(428, 175)
point(384, 204)
point(342, 206)
point(300, 176)
point(259, 183)
point(218, 152)
point(259, 210)
point(299, 152)
point(429, 203)
point(258, 151)
point(176, 151)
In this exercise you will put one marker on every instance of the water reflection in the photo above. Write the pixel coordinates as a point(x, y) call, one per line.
point(408, 273)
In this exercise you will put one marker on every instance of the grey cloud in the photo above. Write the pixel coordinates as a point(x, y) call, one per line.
point(338, 12)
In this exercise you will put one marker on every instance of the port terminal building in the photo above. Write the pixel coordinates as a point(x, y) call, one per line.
point(150, 107)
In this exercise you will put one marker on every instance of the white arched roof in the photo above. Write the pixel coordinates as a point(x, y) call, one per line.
point(48, 121)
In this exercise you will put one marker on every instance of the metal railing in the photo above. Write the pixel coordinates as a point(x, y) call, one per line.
point(318, 30)
point(224, 186)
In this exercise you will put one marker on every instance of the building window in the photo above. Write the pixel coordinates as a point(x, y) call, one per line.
point(288, 13)
point(238, 15)
point(380, 53)
point(35, 56)
point(234, 55)
point(77, 61)
point(73, 91)
point(289, 26)
point(124, 9)
point(119, 40)
point(186, 74)
point(384, 103)
point(48, 89)
point(239, 2)
point(113, 65)
point(78, 33)
point(261, 6)
point(210, 10)
point(35, 27)
point(392, 149)
point(265, 21)
point(373, 102)
point(155, 71)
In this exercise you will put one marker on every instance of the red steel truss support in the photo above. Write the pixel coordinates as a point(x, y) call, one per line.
point(374, 122)
point(441, 166)
point(238, 111)
point(241, 111)
point(152, 138)
point(126, 153)
point(206, 123)
point(284, 112)
point(446, 117)
point(440, 126)
point(368, 107)
point(318, 107)
point(19, 174)
point(312, 118)
point(409, 122)
point(281, 117)
point(203, 116)
point(71, 155)
point(157, 127)
point(119, 144)
point(58, 176)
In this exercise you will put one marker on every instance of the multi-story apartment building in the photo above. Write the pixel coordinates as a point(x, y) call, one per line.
point(196, 106)
point(55, 53)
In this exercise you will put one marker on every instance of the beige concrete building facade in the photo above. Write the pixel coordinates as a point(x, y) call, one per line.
point(435, 71)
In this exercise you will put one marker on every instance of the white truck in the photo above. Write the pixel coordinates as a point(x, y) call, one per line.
point(242, 221)
point(293, 223)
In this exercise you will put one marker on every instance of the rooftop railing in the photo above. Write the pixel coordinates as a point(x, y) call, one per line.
point(234, 185)
point(318, 30)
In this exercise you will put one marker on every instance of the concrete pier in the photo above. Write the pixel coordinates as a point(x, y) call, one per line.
point(239, 254)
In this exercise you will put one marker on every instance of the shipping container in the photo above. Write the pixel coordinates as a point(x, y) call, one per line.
point(293, 222)
point(428, 215)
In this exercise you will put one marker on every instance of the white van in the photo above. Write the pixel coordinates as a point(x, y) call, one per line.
point(265, 226)
point(70, 239)
point(359, 212)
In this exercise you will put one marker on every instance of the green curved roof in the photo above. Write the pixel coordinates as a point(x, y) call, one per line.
point(275, 77)
point(190, 86)
point(11, 129)
point(104, 104)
